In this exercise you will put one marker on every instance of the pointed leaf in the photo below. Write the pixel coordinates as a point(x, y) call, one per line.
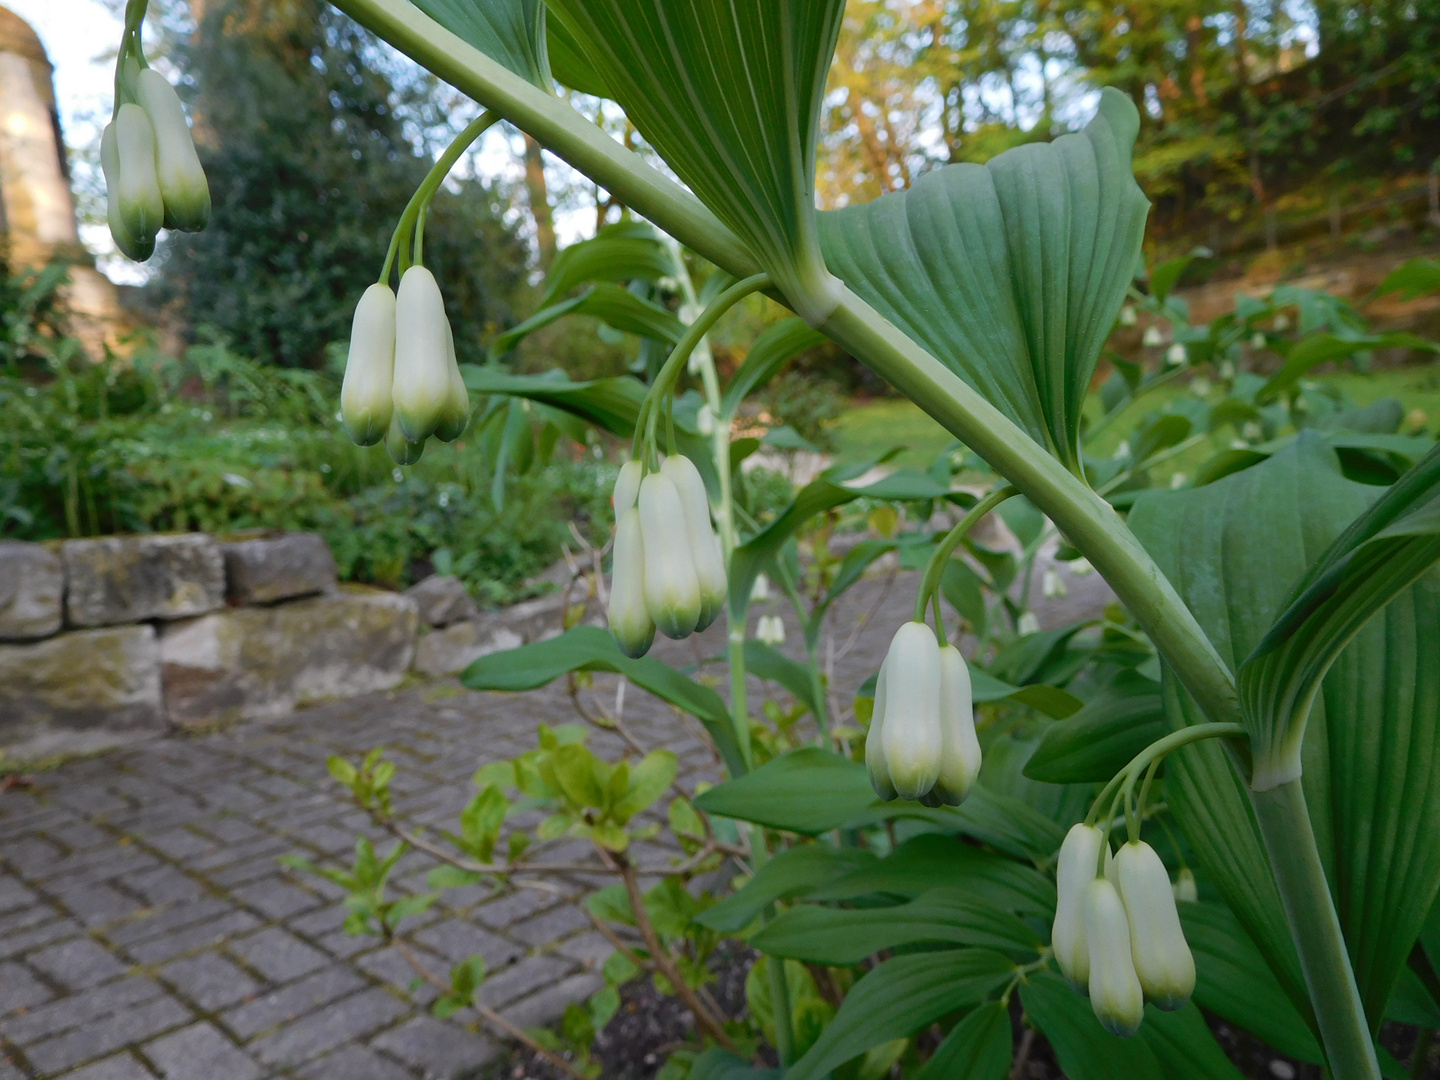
point(620, 253)
point(1011, 273)
point(1100, 739)
point(794, 872)
point(977, 1048)
point(511, 32)
point(900, 997)
point(767, 355)
point(766, 662)
point(1184, 1046)
point(611, 304)
point(1084, 1050)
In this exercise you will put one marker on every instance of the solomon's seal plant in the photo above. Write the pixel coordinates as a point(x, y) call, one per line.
point(1272, 586)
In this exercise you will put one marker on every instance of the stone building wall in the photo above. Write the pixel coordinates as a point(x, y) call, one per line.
point(108, 640)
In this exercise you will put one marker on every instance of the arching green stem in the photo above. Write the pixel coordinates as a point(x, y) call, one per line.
point(1123, 782)
point(399, 239)
point(940, 558)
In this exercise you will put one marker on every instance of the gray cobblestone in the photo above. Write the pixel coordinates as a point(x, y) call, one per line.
point(270, 1010)
point(19, 989)
point(347, 1019)
point(210, 981)
point(356, 1063)
point(278, 955)
point(434, 1049)
point(77, 964)
point(200, 1051)
point(104, 1036)
point(119, 1067)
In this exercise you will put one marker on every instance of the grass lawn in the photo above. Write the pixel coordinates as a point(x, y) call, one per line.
point(868, 429)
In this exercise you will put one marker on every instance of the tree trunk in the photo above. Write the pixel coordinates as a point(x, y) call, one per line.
point(539, 195)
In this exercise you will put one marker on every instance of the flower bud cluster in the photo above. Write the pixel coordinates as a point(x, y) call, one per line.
point(922, 743)
point(1117, 935)
point(153, 177)
point(668, 568)
point(402, 382)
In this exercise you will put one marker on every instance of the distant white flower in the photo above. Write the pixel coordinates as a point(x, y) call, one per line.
point(1027, 625)
point(1200, 386)
point(761, 589)
point(1257, 340)
point(1052, 586)
point(1175, 355)
point(1080, 567)
point(1128, 316)
point(1152, 338)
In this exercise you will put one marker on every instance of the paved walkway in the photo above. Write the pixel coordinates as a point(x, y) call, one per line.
point(147, 929)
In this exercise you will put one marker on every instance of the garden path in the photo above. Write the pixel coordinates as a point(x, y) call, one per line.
point(147, 929)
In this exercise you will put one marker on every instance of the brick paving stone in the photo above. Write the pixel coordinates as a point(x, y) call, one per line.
point(456, 940)
point(38, 935)
point(278, 955)
point(275, 898)
point(119, 1067)
point(151, 923)
point(65, 1013)
point(14, 895)
point(550, 926)
point(105, 1036)
point(589, 950)
point(210, 981)
point(265, 1011)
point(163, 885)
point(180, 843)
point(199, 1051)
point(355, 1063)
point(521, 978)
point(546, 1005)
point(436, 1050)
point(19, 989)
point(310, 1036)
point(77, 964)
point(98, 905)
point(206, 935)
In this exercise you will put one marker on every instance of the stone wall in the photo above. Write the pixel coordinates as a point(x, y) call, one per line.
point(108, 640)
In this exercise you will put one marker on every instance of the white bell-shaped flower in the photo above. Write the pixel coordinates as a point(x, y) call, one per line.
point(1152, 338)
point(1157, 943)
point(874, 744)
point(959, 745)
point(1074, 870)
point(422, 388)
point(1115, 992)
point(130, 246)
point(672, 592)
point(771, 630)
point(365, 405)
point(911, 740)
point(401, 449)
point(455, 415)
point(177, 167)
point(705, 554)
point(142, 209)
point(630, 621)
point(1186, 891)
point(627, 488)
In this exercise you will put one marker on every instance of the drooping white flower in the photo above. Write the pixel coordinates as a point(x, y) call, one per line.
point(1128, 316)
point(142, 209)
point(705, 420)
point(423, 349)
point(705, 553)
point(455, 413)
point(761, 589)
point(627, 488)
point(771, 630)
point(1175, 355)
point(1115, 992)
point(1152, 338)
point(183, 186)
point(1158, 949)
point(365, 405)
point(1186, 891)
point(629, 619)
point(874, 744)
point(402, 451)
point(959, 745)
point(127, 242)
point(1074, 870)
point(911, 740)
point(672, 591)
point(1051, 587)
point(1027, 624)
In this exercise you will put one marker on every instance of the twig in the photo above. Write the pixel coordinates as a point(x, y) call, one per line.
point(489, 1015)
point(664, 963)
point(620, 946)
point(1022, 1055)
point(506, 870)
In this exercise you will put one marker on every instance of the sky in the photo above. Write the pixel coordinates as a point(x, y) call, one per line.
point(81, 37)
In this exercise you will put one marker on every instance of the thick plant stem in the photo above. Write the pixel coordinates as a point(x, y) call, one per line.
point(1295, 860)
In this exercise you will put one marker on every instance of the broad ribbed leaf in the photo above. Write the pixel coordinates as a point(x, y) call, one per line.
point(767, 355)
point(511, 32)
point(977, 1048)
point(1009, 273)
point(1099, 740)
point(900, 997)
point(729, 93)
point(793, 872)
point(612, 404)
point(805, 791)
point(1235, 549)
point(1084, 1049)
point(766, 662)
point(620, 253)
point(840, 936)
point(568, 63)
point(1184, 1046)
point(588, 648)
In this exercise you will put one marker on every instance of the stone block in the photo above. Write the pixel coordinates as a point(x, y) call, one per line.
point(278, 566)
point(451, 650)
point(123, 579)
point(32, 586)
point(81, 691)
point(443, 600)
point(248, 663)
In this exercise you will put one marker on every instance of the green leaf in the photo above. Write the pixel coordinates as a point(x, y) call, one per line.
point(511, 32)
point(1084, 1050)
point(793, 872)
point(717, 1064)
point(1310, 352)
point(766, 662)
point(568, 63)
point(1411, 1003)
point(1411, 279)
point(1167, 275)
point(615, 306)
point(1010, 273)
point(1102, 737)
point(612, 404)
point(1233, 982)
point(768, 353)
point(1184, 1046)
point(841, 937)
point(934, 860)
point(729, 93)
point(805, 791)
point(1235, 550)
point(977, 1048)
point(620, 253)
point(588, 648)
point(649, 779)
point(898, 998)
